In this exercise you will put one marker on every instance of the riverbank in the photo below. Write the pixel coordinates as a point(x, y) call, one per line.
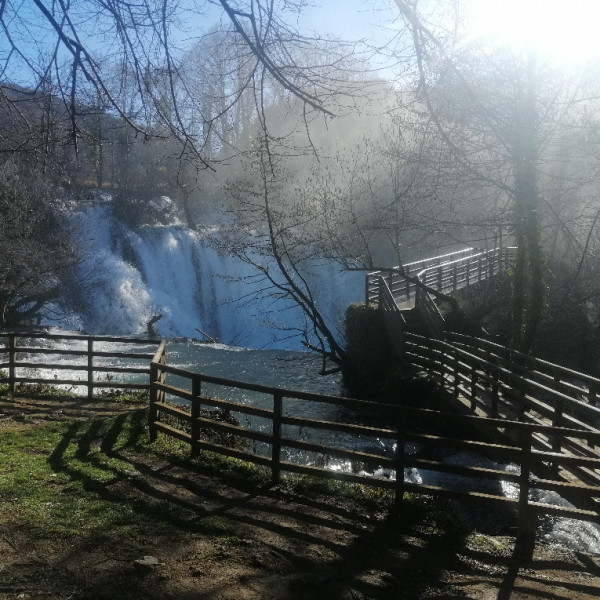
point(90, 510)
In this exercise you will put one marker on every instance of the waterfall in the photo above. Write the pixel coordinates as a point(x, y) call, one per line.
point(130, 275)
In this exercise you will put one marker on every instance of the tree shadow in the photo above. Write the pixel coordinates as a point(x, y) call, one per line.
point(285, 544)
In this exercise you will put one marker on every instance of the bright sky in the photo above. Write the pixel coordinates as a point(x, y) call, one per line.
point(566, 31)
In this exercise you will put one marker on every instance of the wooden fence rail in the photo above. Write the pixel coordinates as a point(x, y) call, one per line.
point(415, 437)
point(493, 381)
point(20, 352)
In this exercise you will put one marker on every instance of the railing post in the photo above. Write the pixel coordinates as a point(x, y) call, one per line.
point(440, 278)
point(399, 463)
point(495, 390)
point(592, 399)
point(153, 409)
point(592, 394)
point(196, 391)
point(12, 362)
point(454, 276)
point(456, 375)
point(473, 386)
point(162, 395)
point(442, 367)
point(527, 521)
point(276, 443)
point(90, 369)
point(380, 288)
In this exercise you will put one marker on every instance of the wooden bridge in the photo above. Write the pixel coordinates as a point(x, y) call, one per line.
point(508, 408)
point(490, 381)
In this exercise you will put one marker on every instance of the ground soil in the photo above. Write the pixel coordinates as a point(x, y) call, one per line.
point(286, 545)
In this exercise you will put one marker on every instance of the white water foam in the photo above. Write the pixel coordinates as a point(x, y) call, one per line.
point(129, 276)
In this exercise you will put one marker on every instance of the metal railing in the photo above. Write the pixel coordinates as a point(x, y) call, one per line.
point(444, 274)
point(403, 289)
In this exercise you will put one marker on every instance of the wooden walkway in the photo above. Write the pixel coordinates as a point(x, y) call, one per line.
point(490, 381)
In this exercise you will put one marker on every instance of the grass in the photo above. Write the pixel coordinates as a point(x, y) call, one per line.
point(82, 479)
point(52, 477)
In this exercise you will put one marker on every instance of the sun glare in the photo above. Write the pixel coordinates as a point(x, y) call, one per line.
point(566, 32)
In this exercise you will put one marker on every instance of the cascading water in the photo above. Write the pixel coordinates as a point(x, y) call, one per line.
point(130, 276)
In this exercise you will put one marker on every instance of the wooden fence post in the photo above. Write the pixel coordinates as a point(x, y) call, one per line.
point(162, 395)
point(196, 391)
point(527, 521)
point(276, 444)
point(442, 367)
point(592, 399)
point(495, 390)
point(152, 409)
point(90, 369)
point(473, 387)
point(12, 361)
point(399, 463)
point(456, 376)
point(592, 394)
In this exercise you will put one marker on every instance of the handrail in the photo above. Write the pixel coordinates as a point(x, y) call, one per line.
point(448, 272)
point(538, 415)
point(494, 381)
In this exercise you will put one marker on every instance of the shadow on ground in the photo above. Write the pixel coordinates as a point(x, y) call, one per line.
point(218, 536)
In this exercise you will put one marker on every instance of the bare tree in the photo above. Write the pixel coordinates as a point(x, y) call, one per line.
point(79, 44)
point(500, 114)
point(37, 255)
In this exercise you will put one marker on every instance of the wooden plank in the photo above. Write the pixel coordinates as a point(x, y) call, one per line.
point(237, 430)
point(174, 411)
point(215, 402)
point(558, 486)
point(80, 367)
point(340, 453)
point(234, 453)
point(172, 431)
point(83, 382)
point(566, 511)
point(77, 336)
point(350, 428)
point(466, 471)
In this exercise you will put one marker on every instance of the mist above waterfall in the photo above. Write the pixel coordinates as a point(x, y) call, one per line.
point(130, 275)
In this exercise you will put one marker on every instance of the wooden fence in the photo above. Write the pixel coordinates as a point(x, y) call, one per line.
point(491, 380)
point(539, 417)
point(23, 355)
point(414, 436)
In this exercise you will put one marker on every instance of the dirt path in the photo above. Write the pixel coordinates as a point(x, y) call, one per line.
point(225, 538)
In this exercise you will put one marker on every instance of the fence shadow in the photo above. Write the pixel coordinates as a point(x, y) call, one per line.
point(203, 526)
